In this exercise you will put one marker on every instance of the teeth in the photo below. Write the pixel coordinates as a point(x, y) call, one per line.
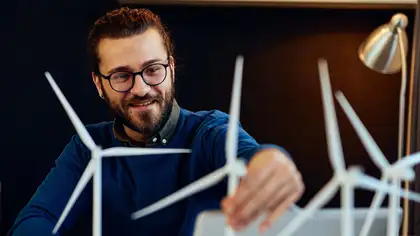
point(143, 104)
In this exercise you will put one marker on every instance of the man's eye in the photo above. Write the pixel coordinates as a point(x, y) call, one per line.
point(121, 76)
point(153, 69)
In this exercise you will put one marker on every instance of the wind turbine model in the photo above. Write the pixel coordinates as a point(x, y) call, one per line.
point(94, 167)
point(348, 180)
point(401, 170)
point(234, 167)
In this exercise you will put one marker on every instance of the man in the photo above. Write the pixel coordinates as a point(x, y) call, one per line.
point(134, 72)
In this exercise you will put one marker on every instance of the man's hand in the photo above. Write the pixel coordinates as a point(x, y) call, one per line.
point(271, 186)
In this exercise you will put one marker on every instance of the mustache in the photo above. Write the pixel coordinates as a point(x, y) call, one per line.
point(147, 98)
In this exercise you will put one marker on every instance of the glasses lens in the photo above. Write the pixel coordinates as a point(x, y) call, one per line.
point(121, 81)
point(154, 74)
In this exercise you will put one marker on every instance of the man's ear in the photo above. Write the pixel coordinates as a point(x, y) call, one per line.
point(97, 82)
point(172, 66)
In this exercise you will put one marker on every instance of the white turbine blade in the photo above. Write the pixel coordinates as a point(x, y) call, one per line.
point(232, 133)
point(374, 206)
point(84, 179)
point(408, 161)
point(319, 200)
point(78, 125)
point(335, 150)
point(370, 183)
point(369, 143)
point(199, 185)
point(127, 151)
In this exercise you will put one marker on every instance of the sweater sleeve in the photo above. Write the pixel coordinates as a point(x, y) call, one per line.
point(40, 215)
point(213, 133)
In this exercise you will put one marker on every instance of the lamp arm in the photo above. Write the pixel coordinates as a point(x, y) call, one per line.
point(401, 120)
point(402, 95)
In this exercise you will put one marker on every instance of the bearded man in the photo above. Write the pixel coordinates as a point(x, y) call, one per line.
point(133, 69)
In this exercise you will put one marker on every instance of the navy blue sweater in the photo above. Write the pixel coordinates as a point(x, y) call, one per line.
point(131, 183)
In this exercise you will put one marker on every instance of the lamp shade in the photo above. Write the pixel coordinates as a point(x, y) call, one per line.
point(381, 50)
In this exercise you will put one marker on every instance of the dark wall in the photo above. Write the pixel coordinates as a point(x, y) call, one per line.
point(42, 35)
point(281, 91)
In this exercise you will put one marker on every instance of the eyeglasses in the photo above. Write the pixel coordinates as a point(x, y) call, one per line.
point(123, 81)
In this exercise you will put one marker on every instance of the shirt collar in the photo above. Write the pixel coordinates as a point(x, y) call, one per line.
point(162, 137)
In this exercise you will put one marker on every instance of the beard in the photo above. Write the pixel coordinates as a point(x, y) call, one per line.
point(147, 122)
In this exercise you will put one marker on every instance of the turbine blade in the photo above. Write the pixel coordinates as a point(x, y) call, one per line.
point(84, 179)
point(369, 143)
point(127, 151)
point(374, 206)
point(335, 150)
point(78, 125)
point(320, 199)
point(408, 161)
point(370, 183)
point(232, 133)
point(199, 185)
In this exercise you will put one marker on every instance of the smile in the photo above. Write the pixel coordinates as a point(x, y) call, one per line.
point(142, 104)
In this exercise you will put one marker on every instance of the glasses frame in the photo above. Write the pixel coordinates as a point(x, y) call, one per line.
point(134, 74)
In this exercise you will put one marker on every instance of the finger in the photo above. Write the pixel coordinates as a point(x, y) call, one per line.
point(280, 209)
point(227, 202)
point(279, 197)
point(230, 206)
point(291, 186)
point(278, 212)
point(236, 225)
point(249, 186)
point(258, 203)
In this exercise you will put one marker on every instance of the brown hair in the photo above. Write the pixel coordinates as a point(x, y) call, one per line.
point(124, 22)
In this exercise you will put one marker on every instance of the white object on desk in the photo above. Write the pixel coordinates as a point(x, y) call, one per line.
point(323, 223)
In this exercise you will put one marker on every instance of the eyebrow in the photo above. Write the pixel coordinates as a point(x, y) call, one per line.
point(127, 68)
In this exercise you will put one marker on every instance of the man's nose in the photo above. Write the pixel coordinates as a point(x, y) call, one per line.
point(140, 88)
